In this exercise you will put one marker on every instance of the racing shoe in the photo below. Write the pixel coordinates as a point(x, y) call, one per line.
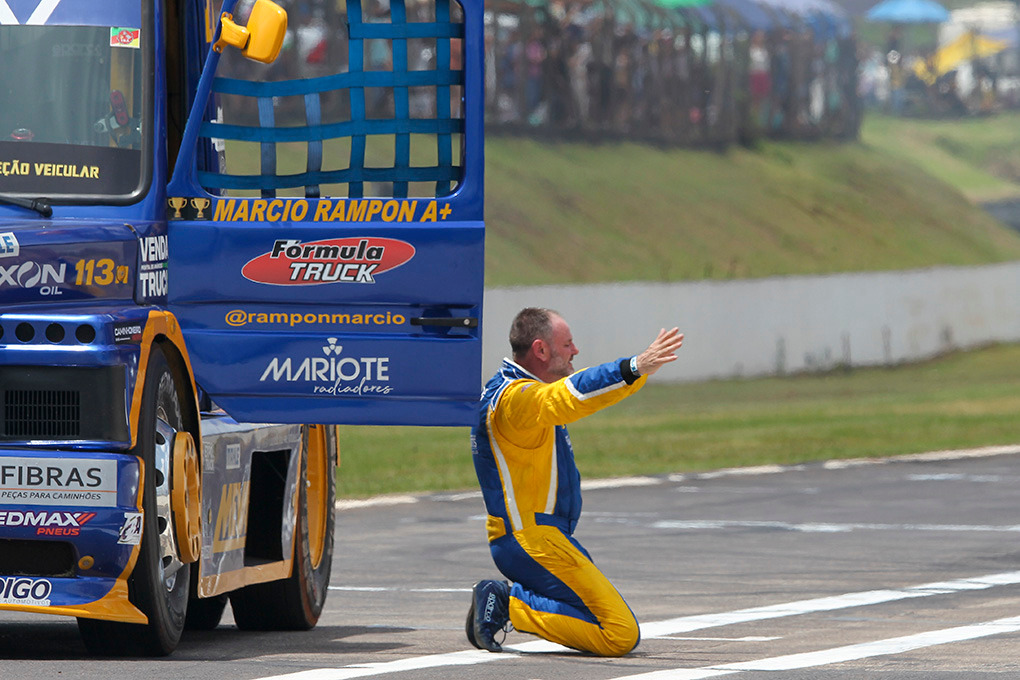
point(489, 614)
point(469, 625)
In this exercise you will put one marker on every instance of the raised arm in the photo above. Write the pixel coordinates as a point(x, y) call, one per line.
point(529, 403)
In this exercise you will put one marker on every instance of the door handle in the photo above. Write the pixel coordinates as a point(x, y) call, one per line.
point(446, 321)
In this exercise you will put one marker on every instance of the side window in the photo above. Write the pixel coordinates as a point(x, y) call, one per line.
point(365, 100)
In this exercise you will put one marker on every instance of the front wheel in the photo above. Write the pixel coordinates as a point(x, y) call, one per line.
point(295, 603)
point(158, 585)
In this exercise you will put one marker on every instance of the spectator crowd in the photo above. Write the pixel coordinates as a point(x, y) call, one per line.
point(717, 74)
point(731, 71)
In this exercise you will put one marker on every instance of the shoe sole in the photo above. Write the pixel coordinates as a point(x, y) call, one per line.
point(469, 625)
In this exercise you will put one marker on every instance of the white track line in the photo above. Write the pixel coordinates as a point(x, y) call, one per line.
point(825, 657)
point(684, 624)
point(375, 502)
point(929, 456)
point(412, 664)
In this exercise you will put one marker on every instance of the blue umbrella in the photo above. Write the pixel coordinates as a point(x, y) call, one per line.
point(751, 14)
point(908, 12)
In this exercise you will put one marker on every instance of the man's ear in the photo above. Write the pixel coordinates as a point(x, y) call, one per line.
point(540, 349)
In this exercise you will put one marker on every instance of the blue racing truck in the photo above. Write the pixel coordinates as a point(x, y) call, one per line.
point(209, 223)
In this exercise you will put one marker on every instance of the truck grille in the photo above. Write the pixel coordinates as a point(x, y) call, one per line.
point(61, 403)
point(42, 414)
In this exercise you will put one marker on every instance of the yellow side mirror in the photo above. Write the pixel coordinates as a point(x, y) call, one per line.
point(268, 26)
point(262, 38)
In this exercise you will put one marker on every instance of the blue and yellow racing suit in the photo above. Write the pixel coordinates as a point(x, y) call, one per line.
point(532, 491)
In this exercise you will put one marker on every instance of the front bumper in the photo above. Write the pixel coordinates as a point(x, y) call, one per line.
point(70, 529)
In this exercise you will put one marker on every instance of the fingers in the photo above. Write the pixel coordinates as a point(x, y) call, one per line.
point(667, 341)
point(670, 340)
point(662, 351)
point(671, 335)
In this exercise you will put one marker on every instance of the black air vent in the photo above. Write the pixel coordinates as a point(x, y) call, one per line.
point(42, 414)
point(36, 558)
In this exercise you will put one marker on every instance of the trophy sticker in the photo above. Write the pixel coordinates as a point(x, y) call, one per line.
point(200, 204)
point(176, 203)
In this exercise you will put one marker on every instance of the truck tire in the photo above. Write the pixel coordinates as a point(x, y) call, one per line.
point(296, 602)
point(205, 613)
point(159, 583)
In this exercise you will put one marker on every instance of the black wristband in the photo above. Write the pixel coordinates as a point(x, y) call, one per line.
point(629, 376)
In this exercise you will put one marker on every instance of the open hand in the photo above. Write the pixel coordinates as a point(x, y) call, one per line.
point(660, 352)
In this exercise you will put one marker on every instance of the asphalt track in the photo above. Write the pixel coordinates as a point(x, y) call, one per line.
point(890, 570)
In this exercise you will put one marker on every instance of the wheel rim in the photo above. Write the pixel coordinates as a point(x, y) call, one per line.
point(169, 563)
point(316, 497)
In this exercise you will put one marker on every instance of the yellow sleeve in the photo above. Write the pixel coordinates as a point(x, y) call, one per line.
point(527, 404)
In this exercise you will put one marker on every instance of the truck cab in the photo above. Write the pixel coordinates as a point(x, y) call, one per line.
point(213, 251)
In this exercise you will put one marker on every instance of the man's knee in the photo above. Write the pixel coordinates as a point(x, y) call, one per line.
point(620, 638)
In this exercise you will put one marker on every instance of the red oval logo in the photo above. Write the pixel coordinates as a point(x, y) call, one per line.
point(358, 259)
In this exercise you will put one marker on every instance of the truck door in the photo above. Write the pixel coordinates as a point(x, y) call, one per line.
point(326, 240)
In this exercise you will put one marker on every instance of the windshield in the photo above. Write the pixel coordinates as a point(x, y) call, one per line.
point(71, 113)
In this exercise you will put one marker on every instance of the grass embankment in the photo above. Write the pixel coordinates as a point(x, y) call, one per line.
point(902, 198)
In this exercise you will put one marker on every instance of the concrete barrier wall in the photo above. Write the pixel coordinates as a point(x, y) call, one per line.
point(778, 325)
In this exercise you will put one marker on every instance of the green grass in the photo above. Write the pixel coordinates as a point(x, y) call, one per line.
point(901, 198)
point(979, 157)
point(961, 400)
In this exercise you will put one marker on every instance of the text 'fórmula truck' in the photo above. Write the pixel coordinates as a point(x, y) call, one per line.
point(206, 226)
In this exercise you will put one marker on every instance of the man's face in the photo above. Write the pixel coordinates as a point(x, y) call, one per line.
point(561, 350)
